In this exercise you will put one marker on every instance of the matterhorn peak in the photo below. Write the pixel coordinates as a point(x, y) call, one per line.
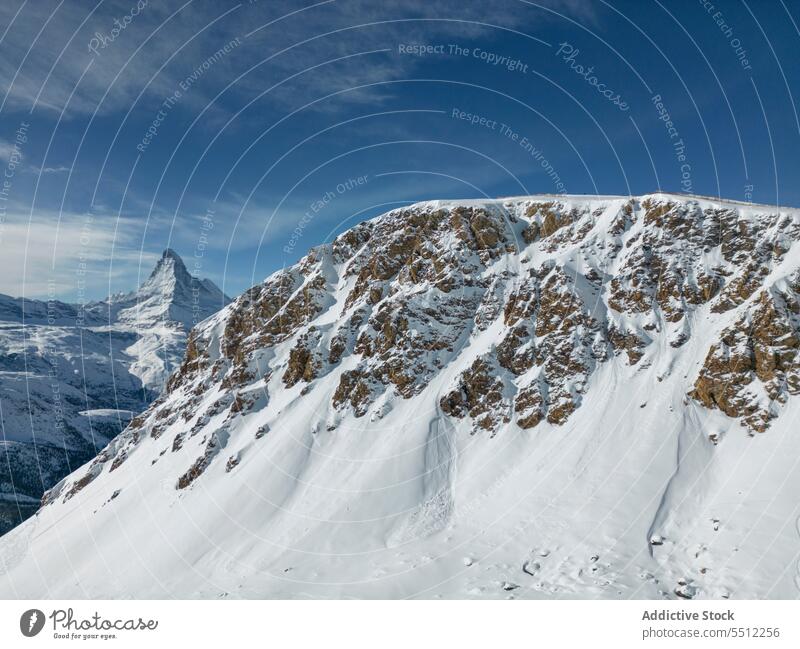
point(172, 293)
point(169, 266)
point(169, 296)
point(171, 257)
point(97, 374)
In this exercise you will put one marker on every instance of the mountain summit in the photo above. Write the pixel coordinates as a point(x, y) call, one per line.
point(169, 294)
point(160, 313)
point(169, 272)
point(67, 390)
point(549, 396)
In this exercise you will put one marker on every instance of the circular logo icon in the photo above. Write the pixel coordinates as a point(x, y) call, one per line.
point(31, 622)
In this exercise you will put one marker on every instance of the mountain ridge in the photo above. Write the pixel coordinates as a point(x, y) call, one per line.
point(545, 396)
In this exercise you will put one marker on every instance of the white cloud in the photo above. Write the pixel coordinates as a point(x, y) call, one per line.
point(60, 169)
point(7, 149)
point(70, 256)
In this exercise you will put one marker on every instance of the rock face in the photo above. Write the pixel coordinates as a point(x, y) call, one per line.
point(409, 342)
point(72, 377)
point(755, 366)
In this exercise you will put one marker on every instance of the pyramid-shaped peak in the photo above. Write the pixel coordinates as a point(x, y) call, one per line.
point(170, 263)
point(169, 253)
point(172, 293)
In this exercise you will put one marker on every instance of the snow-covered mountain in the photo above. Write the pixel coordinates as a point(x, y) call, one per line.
point(161, 312)
point(547, 396)
point(72, 377)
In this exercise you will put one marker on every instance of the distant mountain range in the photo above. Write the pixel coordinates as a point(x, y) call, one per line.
point(71, 377)
point(542, 396)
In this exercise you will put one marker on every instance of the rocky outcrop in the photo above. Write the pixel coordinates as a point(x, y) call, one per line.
point(755, 365)
point(303, 364)
point(520, 302)
point(478, 394)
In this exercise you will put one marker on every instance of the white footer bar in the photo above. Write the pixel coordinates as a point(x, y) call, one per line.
point(401, 625)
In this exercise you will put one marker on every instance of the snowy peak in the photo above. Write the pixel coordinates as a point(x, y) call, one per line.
point(170, 294)
point(511, 306)
point(106, 369)
point(161, 312)
point(169, 253)
point(169, 270)
point(566, 378)
point(170, 274)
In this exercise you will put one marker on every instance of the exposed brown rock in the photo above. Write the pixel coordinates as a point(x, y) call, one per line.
point(529, 406)
point(302, 364)
point(353, 389)
point(477, 393)
point(628, 342)
point(761, 347)
point(200, 464)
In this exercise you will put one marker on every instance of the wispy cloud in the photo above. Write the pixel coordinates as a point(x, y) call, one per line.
point(48, 170)
point(50, 54)
point(69, 255)
point(347, 49)
point(8, 150)
point(344, 49)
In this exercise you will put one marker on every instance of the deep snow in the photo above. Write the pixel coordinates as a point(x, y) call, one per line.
point(629, 498)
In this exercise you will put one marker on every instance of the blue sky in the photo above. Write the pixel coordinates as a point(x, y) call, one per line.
point(241, 134)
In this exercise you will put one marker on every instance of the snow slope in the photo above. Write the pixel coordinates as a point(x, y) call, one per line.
point(536, 397)
point(72, 377)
